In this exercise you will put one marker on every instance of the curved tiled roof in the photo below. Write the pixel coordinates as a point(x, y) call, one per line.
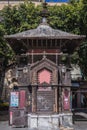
point(65, 41)
point(44, 31)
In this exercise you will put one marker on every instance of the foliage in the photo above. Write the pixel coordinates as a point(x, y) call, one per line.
point(83, 57)
point(73, 1)
point(6, 52)
point(75, 58)
point(20, 18)
point(83, 17)
point(65, 17)
point(83, 28)
point(3, 105)
point(26, 16)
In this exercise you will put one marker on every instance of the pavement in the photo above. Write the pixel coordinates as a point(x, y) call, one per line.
point(77, 126)
point(81, 125)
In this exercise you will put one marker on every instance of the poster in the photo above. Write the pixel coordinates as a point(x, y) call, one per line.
point(14, 99)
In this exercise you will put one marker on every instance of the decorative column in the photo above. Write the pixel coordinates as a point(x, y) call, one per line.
point(54, 83)
point(32, 57)
point(66, 99)
point(34, 90)
point(34, 99)
point(66, 116)
point(56, 109)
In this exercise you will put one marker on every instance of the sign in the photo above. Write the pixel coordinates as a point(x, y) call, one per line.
point(22, 103)
point(14, 99)
point(57, 1)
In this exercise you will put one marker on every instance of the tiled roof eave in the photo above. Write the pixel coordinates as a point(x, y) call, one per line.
point(45, 37)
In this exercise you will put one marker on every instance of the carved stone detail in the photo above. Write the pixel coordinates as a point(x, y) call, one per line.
point(47, 64)
point(55, 77)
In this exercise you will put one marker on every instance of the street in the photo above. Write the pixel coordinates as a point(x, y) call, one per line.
point(80, 125)
point(4, 126)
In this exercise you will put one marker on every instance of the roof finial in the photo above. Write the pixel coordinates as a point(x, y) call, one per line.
point(44, 12)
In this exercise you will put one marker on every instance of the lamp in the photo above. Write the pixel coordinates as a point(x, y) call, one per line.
point(63, 69)
point(25, 70)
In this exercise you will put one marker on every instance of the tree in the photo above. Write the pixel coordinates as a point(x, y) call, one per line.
point(73, 1)
point(6, 55)
point(83, 58)
point(83, 17)
point(21, 18)
point(5, 51)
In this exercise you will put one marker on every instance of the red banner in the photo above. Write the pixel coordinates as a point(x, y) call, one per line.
point(22, 99)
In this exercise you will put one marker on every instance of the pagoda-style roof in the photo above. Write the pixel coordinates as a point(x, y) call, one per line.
point(44, 31)
point(44, 37)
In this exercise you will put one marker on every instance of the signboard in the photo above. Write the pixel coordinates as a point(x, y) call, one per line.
point(22, 98)
point(57, 0)
point(14, 99)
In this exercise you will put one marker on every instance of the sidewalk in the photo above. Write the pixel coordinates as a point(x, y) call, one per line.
point(4, 126)
point(81, 125)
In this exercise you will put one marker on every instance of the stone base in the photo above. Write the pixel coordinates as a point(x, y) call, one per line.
point(66, 119)
point(49, 121)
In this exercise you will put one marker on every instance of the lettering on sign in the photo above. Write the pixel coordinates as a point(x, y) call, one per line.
point(14, 99)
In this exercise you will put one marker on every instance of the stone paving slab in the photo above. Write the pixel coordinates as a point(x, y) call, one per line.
point(77, 126)
point(81, 125)
point(68, 128)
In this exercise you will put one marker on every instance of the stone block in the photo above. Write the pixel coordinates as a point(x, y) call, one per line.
point(67, 128)
point(66, 119)
point(32, 121)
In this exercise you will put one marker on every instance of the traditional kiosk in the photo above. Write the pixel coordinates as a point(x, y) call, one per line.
point(40, 69)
